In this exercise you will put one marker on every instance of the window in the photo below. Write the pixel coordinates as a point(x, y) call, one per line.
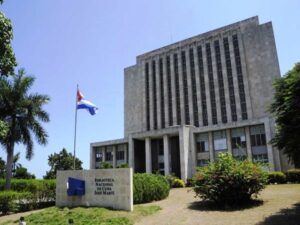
point(202, 85)
point(194, 89)
point(258, 143)
point(177, 93)
point(98, 154)
point(154, 94)
point(185, 88)
point(239, 76)
point(238, 143)
point(202, 162)
point(169, 91)
point(220, 141)
point(120, 155)
point(230, 79)
point(147, 96)
point(108, 156)
point(220, 81)
point(257, 135)
point(263, 158)
point(202, 142)
point(211, 85)
point(162, 100)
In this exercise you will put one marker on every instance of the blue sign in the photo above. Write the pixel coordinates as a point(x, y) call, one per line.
point(76, 187)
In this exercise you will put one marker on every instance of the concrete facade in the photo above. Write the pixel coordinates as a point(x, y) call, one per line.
point(107, 188)
point(187, 102)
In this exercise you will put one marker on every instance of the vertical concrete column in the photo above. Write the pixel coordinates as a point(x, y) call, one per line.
point(103, 153)
point(184, 150)
point(125, 153)
point(131, 152)
point(148, 155)
point(92, 158)
point(192, 160)
point(114, 156)
point(211, 147)
point(248, 143)
point(269, 146)
point(166, 154)
point(228, 138)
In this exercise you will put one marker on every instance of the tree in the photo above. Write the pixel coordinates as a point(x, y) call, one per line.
point(61, 161)
point(22, 173)
point(7, 57)
point(286, 109)
point(2, 168)
point(23, 113)
point(3, 129)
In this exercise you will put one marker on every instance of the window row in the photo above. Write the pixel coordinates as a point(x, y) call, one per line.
point(183, 64)
point(219, 142)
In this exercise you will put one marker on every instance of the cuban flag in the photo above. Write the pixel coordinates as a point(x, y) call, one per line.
point(85, 104)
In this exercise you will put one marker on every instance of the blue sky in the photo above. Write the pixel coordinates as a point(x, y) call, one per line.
point(64, 43)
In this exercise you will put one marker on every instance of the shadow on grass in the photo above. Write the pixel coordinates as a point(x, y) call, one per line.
point(285, 216)
point(211, 206)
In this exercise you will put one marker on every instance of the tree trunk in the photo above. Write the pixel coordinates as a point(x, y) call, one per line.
point(9, 163)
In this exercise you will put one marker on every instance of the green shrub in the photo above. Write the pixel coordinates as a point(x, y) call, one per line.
point(105, 165)
point(178, 183)
point(229, 182)
point(124, 165)
point(293, 175)
point(149, 187)
point(10, 201)
point(42, 190)
point(276, 177)
point(189, 182)
point(174, 181)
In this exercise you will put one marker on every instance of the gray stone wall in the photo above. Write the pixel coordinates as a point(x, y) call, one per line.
point(133, 102)
point(262, 66)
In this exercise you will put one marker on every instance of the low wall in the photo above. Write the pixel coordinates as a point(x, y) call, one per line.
point(111, 188)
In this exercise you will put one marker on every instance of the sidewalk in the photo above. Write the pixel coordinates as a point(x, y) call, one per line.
point(14, 217)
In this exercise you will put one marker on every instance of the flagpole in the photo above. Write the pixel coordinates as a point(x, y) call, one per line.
point(75, 132)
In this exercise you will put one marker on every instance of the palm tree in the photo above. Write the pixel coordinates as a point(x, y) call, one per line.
point(23, 113)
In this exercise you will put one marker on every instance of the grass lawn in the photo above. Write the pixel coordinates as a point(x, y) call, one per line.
point(86, 216)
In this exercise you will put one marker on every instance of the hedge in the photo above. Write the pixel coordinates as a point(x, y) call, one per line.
point(293, 175)
point(149, 187)
point(276, 178)
point(42, 190)
point(12, 201)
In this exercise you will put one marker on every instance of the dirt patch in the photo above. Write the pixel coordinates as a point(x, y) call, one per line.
point(279, 203)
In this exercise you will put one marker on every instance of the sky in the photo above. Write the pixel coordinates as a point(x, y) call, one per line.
point(89, 43)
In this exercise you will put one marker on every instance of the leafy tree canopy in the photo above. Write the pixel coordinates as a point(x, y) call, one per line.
point(3, 129)
point(7, 57)
point(61, 161)
point(286, 109)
